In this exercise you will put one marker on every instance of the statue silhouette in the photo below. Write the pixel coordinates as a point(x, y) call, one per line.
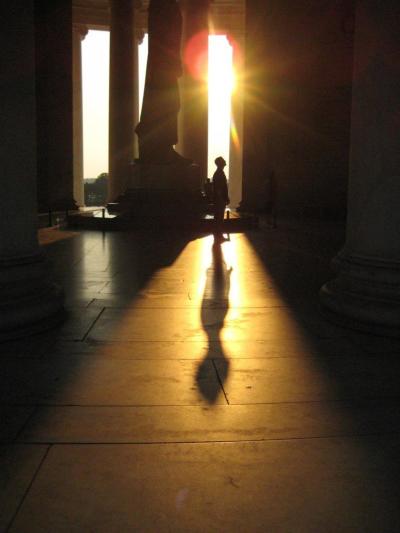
point(158, 127)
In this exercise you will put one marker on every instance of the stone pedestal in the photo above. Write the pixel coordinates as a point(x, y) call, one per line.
point(160, 191)
point(29, 300)
point(366, 291)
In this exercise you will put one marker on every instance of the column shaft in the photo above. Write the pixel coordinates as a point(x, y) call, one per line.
point(121, 118)
point(366, 291)
point(54, 96)
point(79, 32)
point(29, 301)
point(193, 84)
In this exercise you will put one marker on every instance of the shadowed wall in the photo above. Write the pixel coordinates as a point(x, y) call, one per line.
point(298, 102)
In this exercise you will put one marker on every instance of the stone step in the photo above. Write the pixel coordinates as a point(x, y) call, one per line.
point(236, 224)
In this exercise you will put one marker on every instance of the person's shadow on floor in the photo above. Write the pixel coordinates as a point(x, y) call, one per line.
point(214, 307)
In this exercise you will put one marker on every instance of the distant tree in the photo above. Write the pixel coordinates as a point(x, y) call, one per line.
point(96, 193)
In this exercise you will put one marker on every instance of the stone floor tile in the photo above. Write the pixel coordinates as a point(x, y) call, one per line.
point(18, 466)
point(146, 299)
point(376, 345)
point(82, 300)
point(312, 379)
point(12, 420)
point(213, 349)
point(306, 486)
point(75, 380)
point(35, 347)
point(210, 424)
point(77, 324)
point(194, 324)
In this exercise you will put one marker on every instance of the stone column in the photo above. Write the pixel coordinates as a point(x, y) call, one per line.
point(236, 133)
point(29, 301)
point(121, 125)
point(366, 292)
point(79, 33)
point(193, 139)
point(54, 104)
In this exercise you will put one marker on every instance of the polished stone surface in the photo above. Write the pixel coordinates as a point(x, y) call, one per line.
point(307, 486)
point(198, 388)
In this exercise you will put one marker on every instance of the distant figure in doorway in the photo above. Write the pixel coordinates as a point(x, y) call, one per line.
point(220, 196)
point(157, 130)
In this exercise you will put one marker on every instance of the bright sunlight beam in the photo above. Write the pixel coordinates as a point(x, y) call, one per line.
point(220, 87)
point(95, 74)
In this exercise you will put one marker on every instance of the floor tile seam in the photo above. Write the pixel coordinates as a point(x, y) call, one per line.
point(85, 336)
point(53, 444)
point(106, 357)
point(220, 381)
point(182, 358)
point(185, 307)
point(29, 418)
point(30, 484)
point(89, 303)
point(22, 357)
point(237, 341)
point(350, 401)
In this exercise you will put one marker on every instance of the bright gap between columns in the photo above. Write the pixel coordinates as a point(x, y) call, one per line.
point(95, 90)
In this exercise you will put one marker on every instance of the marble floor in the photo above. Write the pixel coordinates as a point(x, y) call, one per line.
point(195, 387)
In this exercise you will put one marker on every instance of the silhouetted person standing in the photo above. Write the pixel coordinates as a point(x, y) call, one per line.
point(158, 127)
point(220, 194)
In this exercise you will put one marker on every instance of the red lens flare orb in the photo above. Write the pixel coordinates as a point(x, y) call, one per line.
point(195, 56)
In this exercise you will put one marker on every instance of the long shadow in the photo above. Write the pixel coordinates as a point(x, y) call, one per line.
point(36, 370)
point(214, 308)
point(361, 371)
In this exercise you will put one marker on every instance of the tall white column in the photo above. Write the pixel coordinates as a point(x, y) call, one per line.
point(79, 33)
point(121, 104)
point(366, 291)
point(29, 301)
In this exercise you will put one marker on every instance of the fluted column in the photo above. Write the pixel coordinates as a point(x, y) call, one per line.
point(29, 301)
point(193, 137)
point(79, 33)
point(366, 291)
point(121, 104)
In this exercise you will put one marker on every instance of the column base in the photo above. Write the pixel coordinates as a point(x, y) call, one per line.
point(365, 295)
point(30, 302)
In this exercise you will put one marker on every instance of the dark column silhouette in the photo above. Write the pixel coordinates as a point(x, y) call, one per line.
point(121, 135)
point(158, 127)
point(54, 104)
